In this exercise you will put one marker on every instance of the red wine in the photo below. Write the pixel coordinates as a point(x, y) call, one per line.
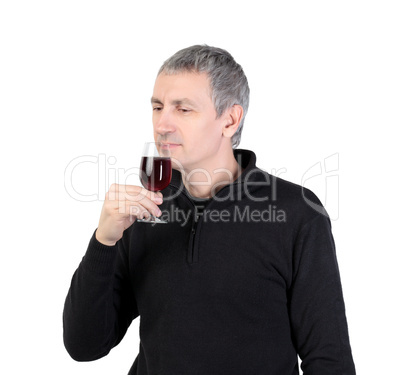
point(156, 172)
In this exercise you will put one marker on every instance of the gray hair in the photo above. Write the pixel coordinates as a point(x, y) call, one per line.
point(229, 84)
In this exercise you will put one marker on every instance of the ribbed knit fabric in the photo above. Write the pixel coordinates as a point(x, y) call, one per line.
point(100, 259)
point(243, 291)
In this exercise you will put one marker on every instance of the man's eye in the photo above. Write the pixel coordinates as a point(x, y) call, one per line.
point(184, 110)
point(157, 109)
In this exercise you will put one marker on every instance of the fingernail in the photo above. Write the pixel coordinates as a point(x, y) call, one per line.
point(158, 200)
point(158, 212)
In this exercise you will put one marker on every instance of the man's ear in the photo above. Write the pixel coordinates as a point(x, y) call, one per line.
point(233, 116)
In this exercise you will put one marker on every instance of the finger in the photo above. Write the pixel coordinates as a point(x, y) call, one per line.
point(145, 202)
point(138, 211)
point(146, 207)
point(141, 212)
point(127, 208)
point(135, 193)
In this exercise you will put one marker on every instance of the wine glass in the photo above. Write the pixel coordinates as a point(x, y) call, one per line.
point(156, 171)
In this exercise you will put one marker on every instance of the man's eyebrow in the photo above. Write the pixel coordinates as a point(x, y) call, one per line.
point(184, 101)
point(155, 101)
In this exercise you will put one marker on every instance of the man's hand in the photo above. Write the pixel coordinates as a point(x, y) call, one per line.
point(123, 205)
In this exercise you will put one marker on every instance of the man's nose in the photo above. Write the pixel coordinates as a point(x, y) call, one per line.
point(164, 123)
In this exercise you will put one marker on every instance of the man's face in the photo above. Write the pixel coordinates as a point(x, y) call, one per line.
point(184, 116)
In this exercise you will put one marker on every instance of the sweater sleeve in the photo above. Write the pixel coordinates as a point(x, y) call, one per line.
point(317, 310)
point(100, 304)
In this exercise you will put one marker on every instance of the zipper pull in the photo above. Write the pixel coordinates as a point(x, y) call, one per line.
point(190, 251)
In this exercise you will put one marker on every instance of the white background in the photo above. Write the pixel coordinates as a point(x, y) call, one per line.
point(75, 80)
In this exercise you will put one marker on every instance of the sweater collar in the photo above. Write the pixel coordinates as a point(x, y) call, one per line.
point(245, 158)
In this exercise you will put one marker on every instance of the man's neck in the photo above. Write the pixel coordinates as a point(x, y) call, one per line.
point(216, 173)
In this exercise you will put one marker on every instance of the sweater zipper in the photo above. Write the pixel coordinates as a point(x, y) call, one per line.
point(192, 250)
point(191, 242)
point(191, 245)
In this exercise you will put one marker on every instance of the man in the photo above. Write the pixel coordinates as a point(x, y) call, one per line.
point(242, 279)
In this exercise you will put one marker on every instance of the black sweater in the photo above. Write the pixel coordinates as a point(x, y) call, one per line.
point(243, 291)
